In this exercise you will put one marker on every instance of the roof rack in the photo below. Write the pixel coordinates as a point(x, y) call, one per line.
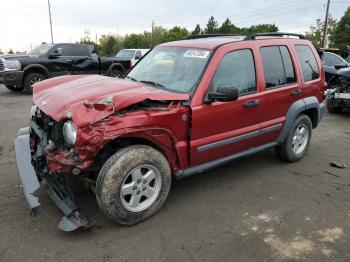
point(278, 34)
point(208, 35)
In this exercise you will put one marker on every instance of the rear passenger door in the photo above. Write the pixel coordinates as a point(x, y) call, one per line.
point(82, 61)
point(282, 89)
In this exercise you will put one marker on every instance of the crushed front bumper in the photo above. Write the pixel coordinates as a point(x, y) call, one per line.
point(54, 183)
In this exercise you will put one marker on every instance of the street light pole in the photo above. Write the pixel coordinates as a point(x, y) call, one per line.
point(325, 28)
point(48, 2)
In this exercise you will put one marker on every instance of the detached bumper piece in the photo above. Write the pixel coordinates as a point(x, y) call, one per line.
point(63, 197)
point(55, 184)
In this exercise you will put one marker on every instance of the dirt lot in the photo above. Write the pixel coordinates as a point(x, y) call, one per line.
point(255, 209)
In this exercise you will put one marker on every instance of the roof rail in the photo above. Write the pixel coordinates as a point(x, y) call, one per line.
point(278, 34)
point(208, 35)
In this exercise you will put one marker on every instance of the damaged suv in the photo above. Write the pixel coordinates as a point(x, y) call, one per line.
point(186, 107)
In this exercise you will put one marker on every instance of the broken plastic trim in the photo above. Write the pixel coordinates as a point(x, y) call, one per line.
point(30, 182)
point(73, 218)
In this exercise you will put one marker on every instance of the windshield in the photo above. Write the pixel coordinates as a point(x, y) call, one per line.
point(41, 49)
point(128, 54)
point(174, 68)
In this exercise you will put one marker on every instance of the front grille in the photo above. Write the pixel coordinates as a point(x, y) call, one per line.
point(2, 65)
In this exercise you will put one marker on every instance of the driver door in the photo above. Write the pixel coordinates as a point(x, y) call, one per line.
point(220, 129)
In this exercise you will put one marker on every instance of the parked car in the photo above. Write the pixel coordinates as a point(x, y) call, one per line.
point(21, 72)
point(332, 63)
point(186, 107)
point(132, 54)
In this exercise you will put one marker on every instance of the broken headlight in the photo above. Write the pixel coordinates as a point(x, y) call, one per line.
point(69, 133)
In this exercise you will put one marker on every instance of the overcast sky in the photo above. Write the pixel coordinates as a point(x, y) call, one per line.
point(25, 23)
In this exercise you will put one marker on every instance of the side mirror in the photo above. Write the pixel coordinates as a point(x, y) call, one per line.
point(340, 66)
point(137, 57)
point(223, 94)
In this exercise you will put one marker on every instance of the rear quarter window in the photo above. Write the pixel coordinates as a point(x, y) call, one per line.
point(307, 62)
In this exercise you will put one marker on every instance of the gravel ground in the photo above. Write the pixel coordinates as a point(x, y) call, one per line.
point(255, 209)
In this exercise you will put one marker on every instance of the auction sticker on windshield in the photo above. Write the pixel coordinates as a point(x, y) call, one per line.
point(196, 53)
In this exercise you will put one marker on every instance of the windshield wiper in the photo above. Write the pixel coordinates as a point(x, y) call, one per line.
point(151, 83)
point(131, 78)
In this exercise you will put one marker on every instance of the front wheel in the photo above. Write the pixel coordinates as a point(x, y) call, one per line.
point(133, 184)
point(295, 146)
point(30, 80)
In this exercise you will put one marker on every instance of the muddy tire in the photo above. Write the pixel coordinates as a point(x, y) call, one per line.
point(133, 184)
point(297, 142)
point(14, 88)
point(30, 80)
point(333, 109)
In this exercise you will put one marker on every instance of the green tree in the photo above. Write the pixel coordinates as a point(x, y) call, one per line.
point(197, 30)
point(212, 26)
point(261, 28)
point(110, 45)
point(228, 28)
point(11, 52)
point(136, 41)
point(175, 33)
point(340, 37)
point(316, 32)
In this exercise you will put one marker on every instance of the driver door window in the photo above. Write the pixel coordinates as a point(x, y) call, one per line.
point(237, 70)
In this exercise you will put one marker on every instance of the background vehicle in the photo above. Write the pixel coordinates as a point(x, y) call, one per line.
point(186, 107)
point(131, 54)
point(20, 72)
point(332, 63)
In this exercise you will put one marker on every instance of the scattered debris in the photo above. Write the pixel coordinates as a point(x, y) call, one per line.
point(337, 165)
point(330, 173)
point(330, 235)
point(298, 246)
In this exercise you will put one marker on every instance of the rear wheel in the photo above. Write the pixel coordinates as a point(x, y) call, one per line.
point(133, 184)
point(30, 80)
point(297, 142)
point(14, 88)
point(116, 73)
point(333, 109)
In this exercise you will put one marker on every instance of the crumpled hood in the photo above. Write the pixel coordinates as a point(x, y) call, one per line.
point(89, 98)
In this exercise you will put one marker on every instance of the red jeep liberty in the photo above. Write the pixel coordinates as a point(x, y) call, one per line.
point(186, 107)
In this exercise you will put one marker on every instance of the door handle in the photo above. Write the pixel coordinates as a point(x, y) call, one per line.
point(252, 103)
point(68, 61)
point(295, 92)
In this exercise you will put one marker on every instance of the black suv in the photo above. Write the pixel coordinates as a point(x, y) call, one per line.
point(21, 72)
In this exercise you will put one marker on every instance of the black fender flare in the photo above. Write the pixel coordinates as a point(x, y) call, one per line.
point(114, 65)
point(295, 109)
point(33, 66)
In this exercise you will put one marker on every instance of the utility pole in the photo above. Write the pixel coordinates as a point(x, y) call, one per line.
point(325, 28)
point(48, 2)
point(96, 39)
point(152, 34)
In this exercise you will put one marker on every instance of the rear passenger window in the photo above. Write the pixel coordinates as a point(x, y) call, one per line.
point(308, 63)
point(278, 66)
point(237, 70)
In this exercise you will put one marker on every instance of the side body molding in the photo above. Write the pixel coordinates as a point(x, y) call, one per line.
point(295, 109)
